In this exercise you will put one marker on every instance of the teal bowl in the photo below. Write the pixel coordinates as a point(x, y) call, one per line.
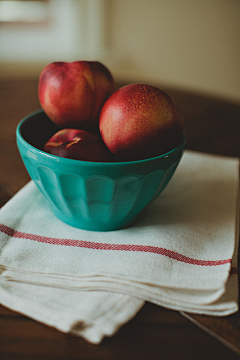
point(92, 195)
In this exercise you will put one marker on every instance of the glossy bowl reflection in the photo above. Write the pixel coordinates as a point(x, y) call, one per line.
point(92, 195)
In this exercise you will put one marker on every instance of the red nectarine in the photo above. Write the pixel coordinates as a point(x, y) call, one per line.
point(140, 121)
point(72, 94)
point(79, 145)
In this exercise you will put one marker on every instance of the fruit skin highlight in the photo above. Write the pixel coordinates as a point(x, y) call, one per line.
point(72, 94)
point(140, 121)
point(79, 145)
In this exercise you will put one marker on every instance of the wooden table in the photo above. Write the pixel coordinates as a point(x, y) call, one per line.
point(211, 126)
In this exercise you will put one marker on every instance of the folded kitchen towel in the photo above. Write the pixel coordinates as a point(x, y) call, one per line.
point(180, 254)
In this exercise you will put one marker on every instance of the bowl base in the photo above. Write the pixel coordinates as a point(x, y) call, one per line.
point(95, 226)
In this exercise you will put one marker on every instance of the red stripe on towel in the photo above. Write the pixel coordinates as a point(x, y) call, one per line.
point(119, 247)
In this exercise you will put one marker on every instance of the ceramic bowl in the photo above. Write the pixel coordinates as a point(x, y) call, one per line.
point(92, 195)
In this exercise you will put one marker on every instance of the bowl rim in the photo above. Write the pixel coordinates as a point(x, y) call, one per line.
point(34, 149)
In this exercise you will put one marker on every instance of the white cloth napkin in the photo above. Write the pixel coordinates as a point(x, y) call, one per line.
point(180, 254)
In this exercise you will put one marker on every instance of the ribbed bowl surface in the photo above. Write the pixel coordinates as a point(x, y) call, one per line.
point(90, 195)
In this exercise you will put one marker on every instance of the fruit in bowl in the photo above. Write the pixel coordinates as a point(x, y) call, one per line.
point(79, 145)
point(140, 121)
point(98, 156)
point(72, 94)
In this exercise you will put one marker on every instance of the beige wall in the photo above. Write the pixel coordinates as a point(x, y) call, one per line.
point(189, 44)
